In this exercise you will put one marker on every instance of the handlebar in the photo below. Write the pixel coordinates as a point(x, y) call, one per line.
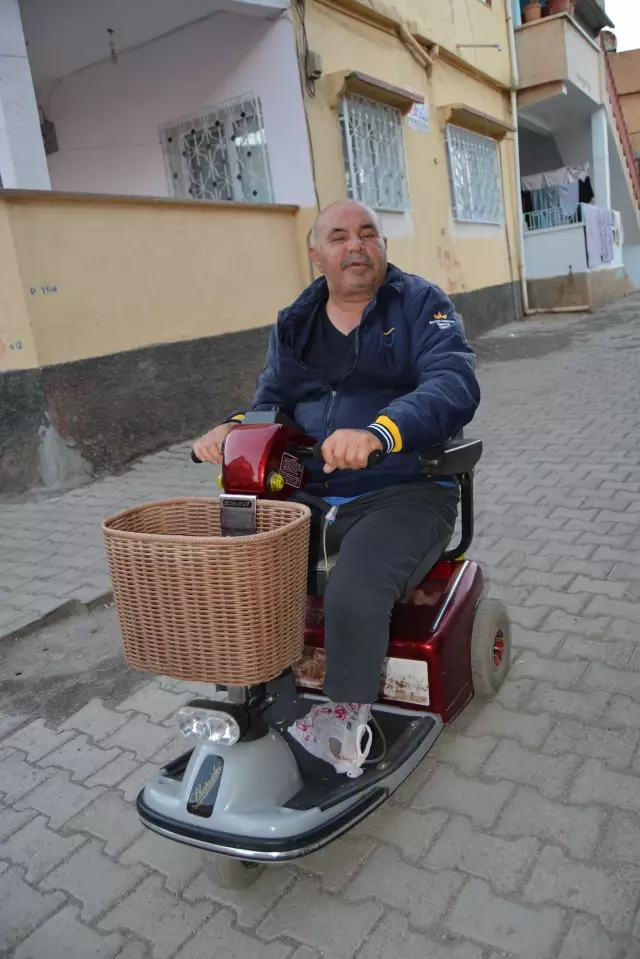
point(315, 453)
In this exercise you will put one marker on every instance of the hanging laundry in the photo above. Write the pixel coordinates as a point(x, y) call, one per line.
point(592, 230)
point(605, 231)
point(552, 199)
point(585, 190)
point(568, 198)
point(618, 229)
point(561, 177)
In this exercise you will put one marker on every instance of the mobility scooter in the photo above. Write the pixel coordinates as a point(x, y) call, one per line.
point(246, 792)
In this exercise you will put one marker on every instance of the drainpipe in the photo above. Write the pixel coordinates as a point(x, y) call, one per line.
point(414, 48)
point(515, 83)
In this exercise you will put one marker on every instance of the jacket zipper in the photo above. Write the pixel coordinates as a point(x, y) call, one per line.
point(334, 393)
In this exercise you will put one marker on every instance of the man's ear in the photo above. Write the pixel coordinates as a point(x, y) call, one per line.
point(386, 245)
point(313, 256)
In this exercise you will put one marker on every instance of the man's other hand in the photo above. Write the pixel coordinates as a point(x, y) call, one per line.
point(349, 450)
point(209, 447)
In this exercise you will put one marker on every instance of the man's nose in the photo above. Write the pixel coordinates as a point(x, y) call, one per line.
point(356, 244)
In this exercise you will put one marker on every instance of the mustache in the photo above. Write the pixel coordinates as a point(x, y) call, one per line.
point(360, 258)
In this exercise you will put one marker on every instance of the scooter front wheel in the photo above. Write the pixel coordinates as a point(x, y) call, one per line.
point(231, 873)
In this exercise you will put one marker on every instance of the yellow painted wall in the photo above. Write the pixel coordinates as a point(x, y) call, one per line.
point(453, 22)
point(631, 110)
point(17, 347)
point(459, 257)
point(534, 39)
point(626, 71)
point(553, 50)
point(105, 275)
point(86, 276)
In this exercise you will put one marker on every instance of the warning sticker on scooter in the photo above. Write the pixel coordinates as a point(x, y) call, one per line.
point(292, 470)
point(402, 680)
point(406, 681)
point(203, 795)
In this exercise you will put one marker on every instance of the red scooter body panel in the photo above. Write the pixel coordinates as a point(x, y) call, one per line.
point(433, 625)
point(253, 453)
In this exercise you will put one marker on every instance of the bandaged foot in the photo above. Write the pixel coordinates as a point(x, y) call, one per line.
point(338, 733)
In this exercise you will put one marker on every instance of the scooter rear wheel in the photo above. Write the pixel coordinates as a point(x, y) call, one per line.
point(231, 873)
point(490, 647)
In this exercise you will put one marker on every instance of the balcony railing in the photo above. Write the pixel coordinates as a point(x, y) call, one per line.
point(550, 219)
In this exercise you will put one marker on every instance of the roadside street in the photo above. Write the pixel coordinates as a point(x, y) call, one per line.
point(519, 836)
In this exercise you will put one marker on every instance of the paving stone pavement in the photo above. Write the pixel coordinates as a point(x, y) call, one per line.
point(52, 558)
point(519, 835)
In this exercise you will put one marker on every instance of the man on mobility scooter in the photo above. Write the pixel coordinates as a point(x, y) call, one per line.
point(368, 360)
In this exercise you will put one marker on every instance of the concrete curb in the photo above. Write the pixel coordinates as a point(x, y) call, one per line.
point(72, 607)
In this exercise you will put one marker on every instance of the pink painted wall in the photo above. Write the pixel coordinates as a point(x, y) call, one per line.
point(107, 115)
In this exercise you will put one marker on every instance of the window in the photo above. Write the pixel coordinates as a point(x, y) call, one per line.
point(220, 155)
point(374, 155)
point(474, 175)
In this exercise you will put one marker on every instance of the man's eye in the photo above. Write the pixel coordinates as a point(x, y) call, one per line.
point(369, 236)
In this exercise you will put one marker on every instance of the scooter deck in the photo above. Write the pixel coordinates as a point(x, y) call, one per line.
point(244, 817)
point(323, 787)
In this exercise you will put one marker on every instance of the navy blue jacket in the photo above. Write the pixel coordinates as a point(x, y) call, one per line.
point(413, 382)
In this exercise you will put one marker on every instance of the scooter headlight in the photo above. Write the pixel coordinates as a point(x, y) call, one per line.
point(208, 725)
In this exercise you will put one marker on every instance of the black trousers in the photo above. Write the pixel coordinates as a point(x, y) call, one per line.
point(386, 542)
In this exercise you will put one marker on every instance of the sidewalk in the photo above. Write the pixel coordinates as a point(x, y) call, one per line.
point(52, 556)
point(517, 838)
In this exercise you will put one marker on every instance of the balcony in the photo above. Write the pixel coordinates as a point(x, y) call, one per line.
point(559, 69)
point(558, 265)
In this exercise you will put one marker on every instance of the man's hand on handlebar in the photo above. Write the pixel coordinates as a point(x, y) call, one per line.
point(209, 447)
point(349, 450)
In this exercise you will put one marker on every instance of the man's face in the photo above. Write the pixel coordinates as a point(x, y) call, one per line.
point(350, 250)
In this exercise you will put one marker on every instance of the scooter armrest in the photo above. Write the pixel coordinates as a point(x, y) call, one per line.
point(455, 459)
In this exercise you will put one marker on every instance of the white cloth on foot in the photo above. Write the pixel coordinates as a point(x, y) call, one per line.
point(338, 733)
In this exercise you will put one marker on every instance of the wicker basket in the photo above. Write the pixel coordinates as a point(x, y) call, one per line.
point(195, 605)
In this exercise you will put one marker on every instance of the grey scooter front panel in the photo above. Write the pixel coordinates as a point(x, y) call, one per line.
point(255, 781)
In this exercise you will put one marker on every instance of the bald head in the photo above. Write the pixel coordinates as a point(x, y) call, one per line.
point(349, 248)
point(331, 215)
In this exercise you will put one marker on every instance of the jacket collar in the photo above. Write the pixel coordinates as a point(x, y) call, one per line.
point(294, 319)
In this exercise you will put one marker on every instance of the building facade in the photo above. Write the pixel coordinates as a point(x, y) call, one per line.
point(626, 74)
point(162, 163)
point(162, 167)
point(576, 180)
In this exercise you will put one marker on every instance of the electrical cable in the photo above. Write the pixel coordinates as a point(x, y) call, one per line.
point(302, 66)
point(301, 10)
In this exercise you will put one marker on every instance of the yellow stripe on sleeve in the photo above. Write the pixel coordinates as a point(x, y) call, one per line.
point(395, 432)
